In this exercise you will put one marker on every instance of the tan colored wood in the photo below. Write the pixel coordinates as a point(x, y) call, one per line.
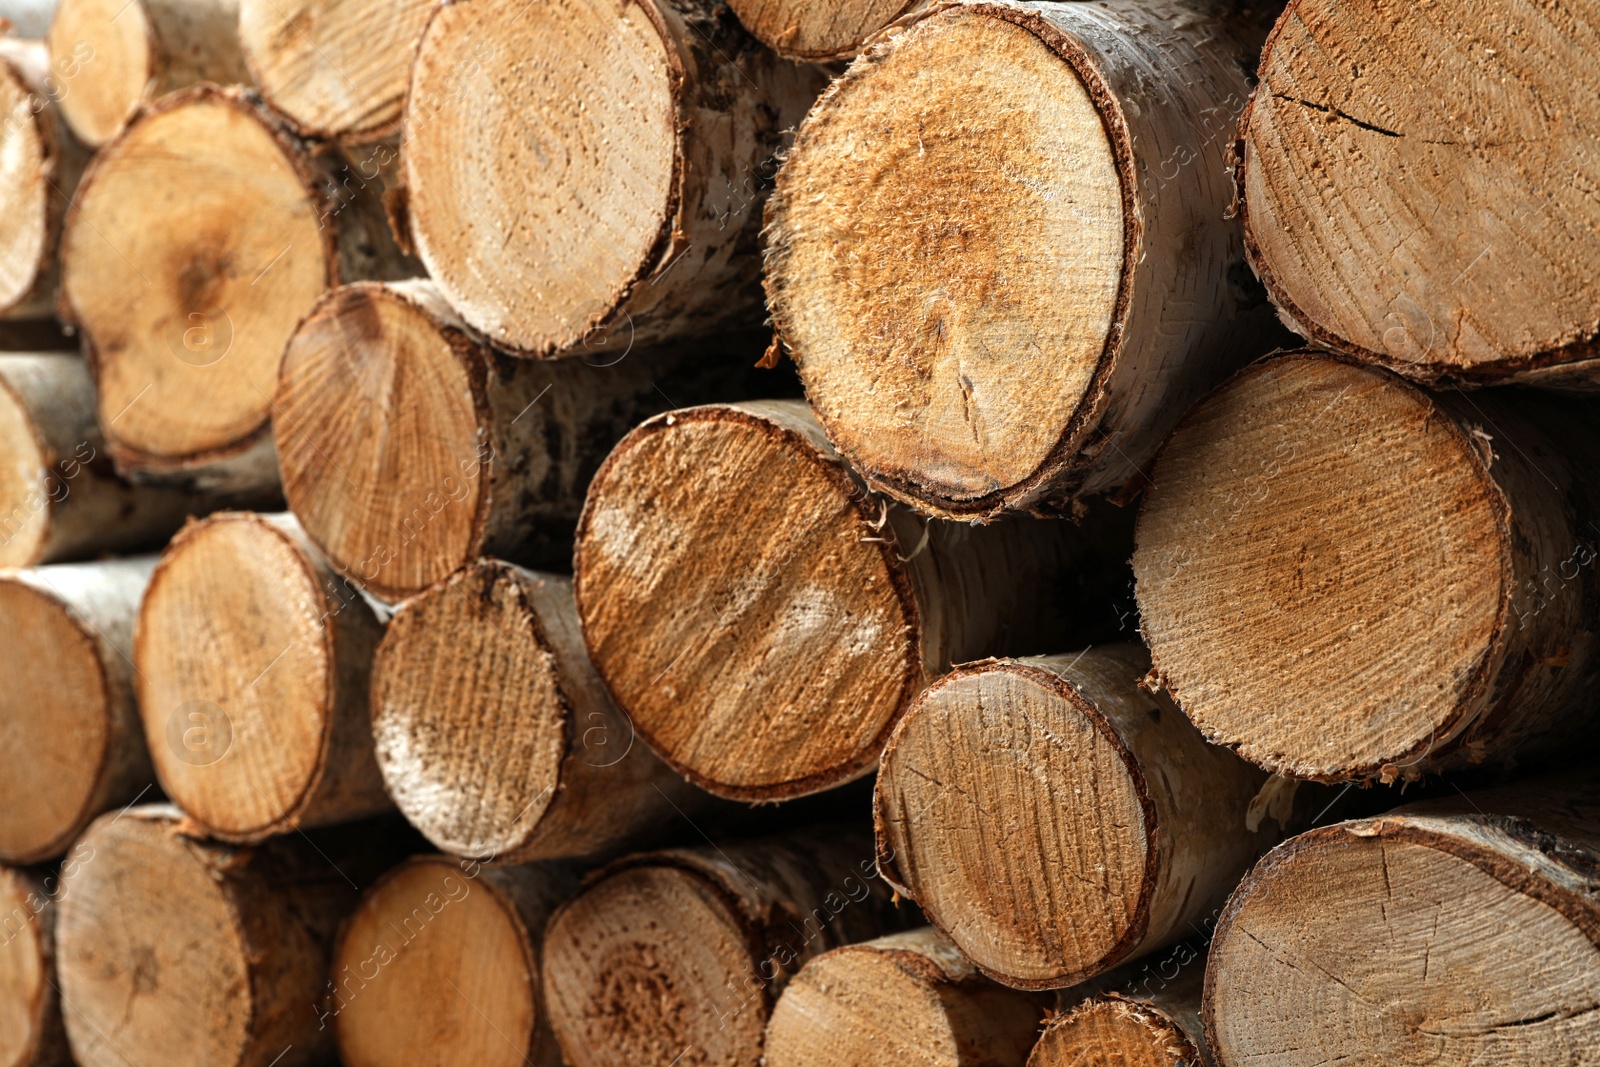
point(1462, 932)
point(592, 173)
point(253, 663)
point(31, 1034)
point(495, 735)
point(682, 953)
point(1343, 577)
point(999, 251)
point(1432, 217)
point(1054, 819)
point(1138, 1027)
point(820, 29)
point(176, 950)
point(200, 236)
point(67, 710)
point(131, 52)
point(907, 998)
point(439, 965)
point(764, 620)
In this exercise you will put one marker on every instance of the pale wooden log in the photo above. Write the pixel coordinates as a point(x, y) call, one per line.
point(818, 30)
point(1432, 217)
point(1462, 931)
point(199, 237)
point(764, 620)
point(1343, 577)
point(907, 998)
point(496, 737)
point(687, 949)
point(127, 52)
point(31, 1034)
point(589, 172)
point(1131, 1028)
point(1054, 819)
point(999, 251)
point(69, 717)
point(254, 660)
point(410, 448)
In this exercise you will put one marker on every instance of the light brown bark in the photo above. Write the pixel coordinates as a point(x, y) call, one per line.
point(818, 30)
point(31, 1034)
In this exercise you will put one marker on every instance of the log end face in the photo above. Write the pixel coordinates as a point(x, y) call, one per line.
point(25, 191)
point(816, 30)
point(1115, 1031)
point(26, 484)
point(26, 978)
point(110, 44)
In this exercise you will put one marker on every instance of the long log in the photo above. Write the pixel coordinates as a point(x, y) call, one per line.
point(818, 30)
point(1433, 218)
point(764, 620)
point(441, 958)
point(1054, 819)
point(253, 661)
point(31, 1034)
point(907, 998)
point(1144, 1028)
point(71, 723)
point(186, 299)
point(999, 250)
point(682, 953)
point(592, 173)
point(495, 735)
point(1462, 931)
point(1344, 577)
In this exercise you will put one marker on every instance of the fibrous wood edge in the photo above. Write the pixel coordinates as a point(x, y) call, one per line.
point(818, 31)
point(1113, 1021)
point(27, 959)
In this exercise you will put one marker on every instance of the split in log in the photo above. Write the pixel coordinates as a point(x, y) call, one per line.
point(200, 236)
point(1351, 148)
point(908, 999)
point(253, 663)
point(589, 172)
point(764, 620)
point(494, 734)
point(1054, 819)
point(1159, 1028)
point(818, 30)
point(1343, 577)
point(1040, 274)
point(70, 721)
point(31, 1034)
point(682, 953)
point(1466, 931)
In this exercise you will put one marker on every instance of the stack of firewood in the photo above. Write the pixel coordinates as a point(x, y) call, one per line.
point(599, 532)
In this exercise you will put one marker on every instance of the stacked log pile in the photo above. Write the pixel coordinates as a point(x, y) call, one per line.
point(723, 533)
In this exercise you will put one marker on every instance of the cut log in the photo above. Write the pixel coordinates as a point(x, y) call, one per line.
point(157, 925)
point(907, 998)
point(1351, 148)
point(1054, 819)
point(117, 54)
point(1344, 577)
point(1040, 274)
point(70, 721)
point(31, 1034)
point(410, 449)
point(818, 30)
point(682, 953)
point(42, 163)
point(764, 620)
point(60, 499)
point(441, 959)
point(494, 733)
point(336, 68)
point(591, 173)
point(253, 663)
point(1461, 932)
point(1159, 1028)
point(199, 238)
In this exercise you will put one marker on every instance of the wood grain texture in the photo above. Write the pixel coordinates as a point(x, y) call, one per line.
point(1466, 931)
point(31, 1033)
point(1344, 577)
point(820, 29)
point(1159, 1028)
point(764, 619)
point(975, 359)
point(1433, 217)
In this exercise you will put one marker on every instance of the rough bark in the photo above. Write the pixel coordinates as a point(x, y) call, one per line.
point(820, 30)
point(999, 251)
point(1463, 931)
point(495, 735)
point(1153, 1028)
point(68, 705)
point(1054, 819)
point(907, 998)
point(1344, 577)
point(764, 619)
point(411, 448)
point(682, 953)
point(199, 237)
point(1350, 148)
point(613, 197)
point(254, 661)
point(31, 1034)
